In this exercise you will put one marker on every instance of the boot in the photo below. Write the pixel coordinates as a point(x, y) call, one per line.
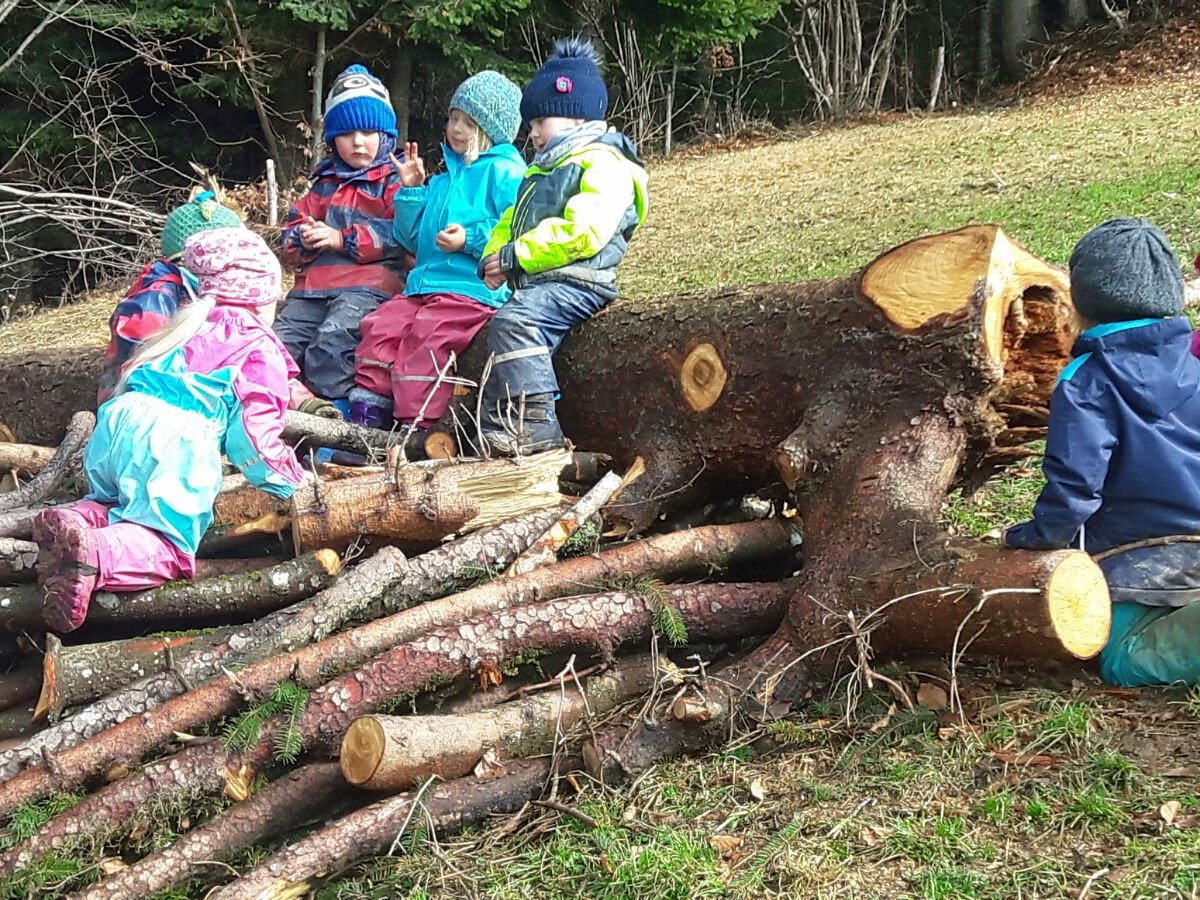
point(370, 416)
point(537, 432)
point(68, 567)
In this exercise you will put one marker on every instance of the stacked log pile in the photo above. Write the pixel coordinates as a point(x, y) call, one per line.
point(362, 651)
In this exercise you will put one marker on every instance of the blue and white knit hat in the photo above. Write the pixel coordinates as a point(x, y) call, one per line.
point(358, 101)
point(493, 102)
point(568, 84)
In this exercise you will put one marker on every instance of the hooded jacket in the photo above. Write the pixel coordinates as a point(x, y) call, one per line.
point(1122, 458)
point(359, 205)
point(573, 220)
point(472, 196)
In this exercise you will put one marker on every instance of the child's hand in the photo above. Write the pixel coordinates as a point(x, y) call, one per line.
point(452, 239)
point(412, 170)
point(493, 275)
point(318, 236)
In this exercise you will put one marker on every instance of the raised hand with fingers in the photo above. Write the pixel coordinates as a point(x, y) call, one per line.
point(412, 169)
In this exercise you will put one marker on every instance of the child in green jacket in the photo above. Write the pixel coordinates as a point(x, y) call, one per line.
point(558, 246)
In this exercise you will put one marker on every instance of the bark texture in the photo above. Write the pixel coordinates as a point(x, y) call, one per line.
point(371, 831)
point(18, 561)
point(316, 789)
point(66, 462)
point(394, 753)
point(221, 598)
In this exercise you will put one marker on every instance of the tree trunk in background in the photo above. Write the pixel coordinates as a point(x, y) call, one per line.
point(1020, 21)
point(400, 85)
point(318, 96)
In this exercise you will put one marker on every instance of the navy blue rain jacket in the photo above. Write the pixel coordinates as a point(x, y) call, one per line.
point(1123, 450)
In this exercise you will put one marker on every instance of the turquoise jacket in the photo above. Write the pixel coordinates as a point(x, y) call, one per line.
point(472, 196)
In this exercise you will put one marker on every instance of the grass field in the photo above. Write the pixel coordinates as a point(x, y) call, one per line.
point(1048, 785)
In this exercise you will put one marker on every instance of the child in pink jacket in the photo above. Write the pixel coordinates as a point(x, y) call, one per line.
point(214, 381)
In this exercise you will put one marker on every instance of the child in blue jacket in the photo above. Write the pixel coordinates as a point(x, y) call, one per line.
point(1122, 457)
point(445, 223)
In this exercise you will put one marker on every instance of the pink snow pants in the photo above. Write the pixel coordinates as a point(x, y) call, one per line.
point(132, 557)
point(407, 341)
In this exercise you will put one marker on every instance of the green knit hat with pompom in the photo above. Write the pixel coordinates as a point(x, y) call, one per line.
point(201, 213)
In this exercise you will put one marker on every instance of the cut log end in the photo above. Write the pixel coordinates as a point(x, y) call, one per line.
point(940, 275)
point(440, 445)
point(329, 560)
point(47, 699)
point(702, 377)
point(362, 749)
point(1073, 595)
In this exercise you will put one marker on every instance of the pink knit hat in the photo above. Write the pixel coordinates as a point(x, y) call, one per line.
point(235, 267)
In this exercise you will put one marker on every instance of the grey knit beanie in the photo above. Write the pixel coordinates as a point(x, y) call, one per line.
point(1125, 269)
point(493, 102)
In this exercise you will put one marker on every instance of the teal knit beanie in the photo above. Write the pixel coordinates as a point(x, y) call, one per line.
point(493, 102)
point(199, 214)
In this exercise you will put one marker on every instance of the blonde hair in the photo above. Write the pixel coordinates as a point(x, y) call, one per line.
point(184, 325)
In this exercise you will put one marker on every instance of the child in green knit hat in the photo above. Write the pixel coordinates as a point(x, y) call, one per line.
point(163, 287)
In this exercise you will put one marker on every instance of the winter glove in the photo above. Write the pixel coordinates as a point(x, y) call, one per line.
point(315, 406)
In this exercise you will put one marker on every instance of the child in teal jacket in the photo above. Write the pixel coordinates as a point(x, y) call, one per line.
point(446, 223)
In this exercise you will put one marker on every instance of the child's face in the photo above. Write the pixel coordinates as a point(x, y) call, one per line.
point(543, 131)
point(357, 149)
point(460, 128)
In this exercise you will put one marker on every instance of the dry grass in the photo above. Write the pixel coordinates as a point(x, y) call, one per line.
point(825, 204)
point(80, 324)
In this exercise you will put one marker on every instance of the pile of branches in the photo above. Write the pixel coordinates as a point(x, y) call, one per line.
point(292, 655)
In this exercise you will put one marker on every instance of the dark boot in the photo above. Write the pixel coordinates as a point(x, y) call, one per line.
point(535, 432)
point(370, 416)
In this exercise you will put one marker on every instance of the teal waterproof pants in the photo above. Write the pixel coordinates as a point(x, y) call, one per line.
point(1152, 645)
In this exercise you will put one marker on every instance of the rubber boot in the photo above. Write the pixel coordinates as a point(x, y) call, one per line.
point(520, 435)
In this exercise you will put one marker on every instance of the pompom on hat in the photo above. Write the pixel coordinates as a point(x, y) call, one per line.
point(569, 84)
point(201, 213)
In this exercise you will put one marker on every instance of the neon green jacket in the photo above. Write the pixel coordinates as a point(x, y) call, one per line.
point(573, 221)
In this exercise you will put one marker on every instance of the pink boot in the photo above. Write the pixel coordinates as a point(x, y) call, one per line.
point(68, 567)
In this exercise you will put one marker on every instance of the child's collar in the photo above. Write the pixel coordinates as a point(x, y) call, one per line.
point(1104, 329)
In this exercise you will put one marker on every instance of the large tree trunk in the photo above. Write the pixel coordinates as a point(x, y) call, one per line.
point(706, 386)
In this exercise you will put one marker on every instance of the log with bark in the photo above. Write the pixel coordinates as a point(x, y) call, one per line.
point(413, 505)
point(83, 672)
point(394, 753)
point(423, 503)
point(18, 561)
point(65, 462)
point(128, 741)
point(385, 580)
point(373, 831)
point(222, 593)
point(25, 460)
point(312, 790)
point(601, 622)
